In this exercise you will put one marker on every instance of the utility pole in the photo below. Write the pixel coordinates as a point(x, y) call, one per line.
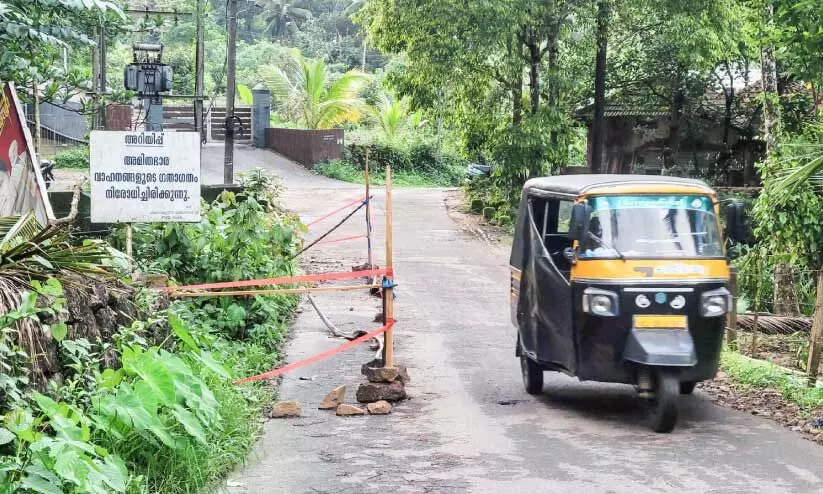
point(95, 81)
point(231, 55)
point(198, 77)
point(102, 43)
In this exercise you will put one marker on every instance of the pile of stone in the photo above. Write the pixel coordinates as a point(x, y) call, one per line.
point(386, 385)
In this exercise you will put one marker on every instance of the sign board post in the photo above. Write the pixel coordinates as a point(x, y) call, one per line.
point(144, 177)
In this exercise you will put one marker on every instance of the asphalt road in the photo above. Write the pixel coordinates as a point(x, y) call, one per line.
point(469, 425)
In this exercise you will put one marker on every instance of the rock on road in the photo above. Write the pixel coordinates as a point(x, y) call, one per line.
point(469, 425)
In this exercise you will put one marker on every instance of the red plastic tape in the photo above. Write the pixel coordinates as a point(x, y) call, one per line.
point(316, 358)
point(342, 239)
point(285, 280)
point(341, 208)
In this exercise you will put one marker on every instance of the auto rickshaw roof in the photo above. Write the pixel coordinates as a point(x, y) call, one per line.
point(583, 184)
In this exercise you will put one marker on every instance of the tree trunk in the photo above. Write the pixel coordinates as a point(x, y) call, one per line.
point(816, 336)
point(673, 144)
point(553, 94)
point(785, 298)
point(533, 46)
point(517, 102)
point(599, 125)
point(771, 110)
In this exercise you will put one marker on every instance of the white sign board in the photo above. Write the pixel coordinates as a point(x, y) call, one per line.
point(143, 177)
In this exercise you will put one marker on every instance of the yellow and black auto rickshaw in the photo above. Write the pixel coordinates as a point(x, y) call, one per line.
point(622, 278)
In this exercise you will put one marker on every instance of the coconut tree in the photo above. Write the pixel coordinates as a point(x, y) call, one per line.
point(308, 94)
point(283, 18)
point(393, 115)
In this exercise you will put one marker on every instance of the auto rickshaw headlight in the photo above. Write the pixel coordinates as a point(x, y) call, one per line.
point(642, 301)
point(715, 303)
point(600, 302)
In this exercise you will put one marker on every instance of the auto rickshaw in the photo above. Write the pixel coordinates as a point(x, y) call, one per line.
point(622, 279)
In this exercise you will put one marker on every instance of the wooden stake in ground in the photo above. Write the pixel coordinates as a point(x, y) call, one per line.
point(731, 329)
point(388, 292)
point(368, 211)
point(816, 337)
point(129, 245)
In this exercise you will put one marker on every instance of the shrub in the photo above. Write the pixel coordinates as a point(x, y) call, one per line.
point(418, 157)
point(72, 158)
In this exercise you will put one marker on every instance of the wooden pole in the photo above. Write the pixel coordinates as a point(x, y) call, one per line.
point(129, 244)
point(731, 330)
point(388, 292)
point(816, 336)
point(368, 211)
point(273, 291)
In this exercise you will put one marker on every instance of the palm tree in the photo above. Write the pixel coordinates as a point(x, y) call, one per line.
point(308, 95)
point(283, 18)
point(810, 153)
point(393, 115)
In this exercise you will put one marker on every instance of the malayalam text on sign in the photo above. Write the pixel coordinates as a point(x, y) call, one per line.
point(141, 177)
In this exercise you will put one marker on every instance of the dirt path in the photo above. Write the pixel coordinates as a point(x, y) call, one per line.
point(470, 426)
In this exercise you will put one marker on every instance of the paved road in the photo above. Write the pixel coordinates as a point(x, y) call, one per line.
point(469, 425)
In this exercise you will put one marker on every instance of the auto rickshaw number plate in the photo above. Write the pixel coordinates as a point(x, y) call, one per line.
point(660, 322)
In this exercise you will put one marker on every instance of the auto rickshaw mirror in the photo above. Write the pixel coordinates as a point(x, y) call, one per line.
point(736, 221)
point(579, 222)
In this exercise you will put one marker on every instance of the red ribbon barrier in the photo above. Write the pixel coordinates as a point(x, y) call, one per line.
point(342, 239)
point(285, 280)
point(320, 356)
point(341, 208)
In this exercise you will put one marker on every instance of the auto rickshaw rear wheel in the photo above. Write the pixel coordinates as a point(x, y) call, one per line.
point(664, 412)
point(687, 387)
point(532, 375)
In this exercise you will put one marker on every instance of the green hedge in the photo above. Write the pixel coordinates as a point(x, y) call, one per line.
point(72, 158)
point(421, 158)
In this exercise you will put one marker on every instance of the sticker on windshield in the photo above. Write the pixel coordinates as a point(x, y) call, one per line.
point(698, 203)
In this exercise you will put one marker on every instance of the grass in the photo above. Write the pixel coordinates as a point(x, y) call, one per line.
point(764, 374)
point(197, 467)
point(348, 172)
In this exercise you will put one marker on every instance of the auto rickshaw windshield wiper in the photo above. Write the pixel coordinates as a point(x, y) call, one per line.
point(607, 245)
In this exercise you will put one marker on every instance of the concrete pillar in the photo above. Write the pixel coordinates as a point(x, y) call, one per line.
point(260, 114)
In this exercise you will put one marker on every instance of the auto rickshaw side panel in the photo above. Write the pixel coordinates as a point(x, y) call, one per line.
point(543, 310)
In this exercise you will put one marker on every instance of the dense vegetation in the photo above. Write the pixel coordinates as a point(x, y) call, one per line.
point(151, 407)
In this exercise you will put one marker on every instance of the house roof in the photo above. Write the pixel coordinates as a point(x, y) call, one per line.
point(625, 110)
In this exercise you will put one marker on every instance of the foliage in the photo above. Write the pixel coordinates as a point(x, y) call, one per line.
point(283, 18)
point(31, 33)
point(307, 93)
point(349, 172)
point(761, 374)
point(788, 227)
point(393, 116)
point(77, 157)
point(420, 157)
point(164, 418)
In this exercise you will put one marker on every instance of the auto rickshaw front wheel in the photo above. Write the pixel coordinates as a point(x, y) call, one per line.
point(664, 403)
point(532, 375)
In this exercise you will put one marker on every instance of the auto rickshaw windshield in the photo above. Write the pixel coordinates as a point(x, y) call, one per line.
point(651, 226)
